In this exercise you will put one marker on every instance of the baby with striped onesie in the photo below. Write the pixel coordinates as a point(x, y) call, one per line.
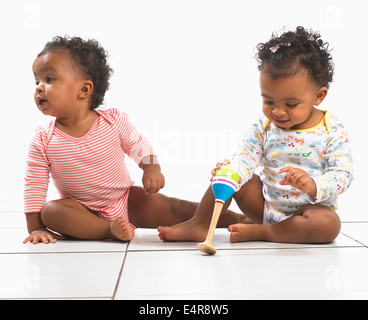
point(83, 150)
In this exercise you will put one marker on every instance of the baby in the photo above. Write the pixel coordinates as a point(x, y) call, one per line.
point(83, 150)
point(302, 153)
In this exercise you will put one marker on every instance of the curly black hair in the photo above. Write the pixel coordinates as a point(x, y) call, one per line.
point(89, 58)
point(286, 55)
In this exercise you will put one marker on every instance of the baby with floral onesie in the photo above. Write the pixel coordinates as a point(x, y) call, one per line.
point(294, 160)
point(322, 151)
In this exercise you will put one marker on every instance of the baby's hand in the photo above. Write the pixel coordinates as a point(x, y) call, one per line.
point(42, 235)
point(299, 179)
point(153, 180)
point(218, 166)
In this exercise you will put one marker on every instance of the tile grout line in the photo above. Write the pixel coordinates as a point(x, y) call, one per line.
point(364, 245)
point(120, 273)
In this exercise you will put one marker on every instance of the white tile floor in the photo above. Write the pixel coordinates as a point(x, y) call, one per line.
point(147, 268)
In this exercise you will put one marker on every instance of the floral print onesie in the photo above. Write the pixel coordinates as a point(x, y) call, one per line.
point(323, 151)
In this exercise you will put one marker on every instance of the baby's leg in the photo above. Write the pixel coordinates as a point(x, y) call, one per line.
point(154, 210)
point(71, 218)
point(311, 224)
point(196, 228)
point(151, 210)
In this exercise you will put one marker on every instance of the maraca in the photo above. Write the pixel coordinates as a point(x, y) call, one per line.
point(224, 185)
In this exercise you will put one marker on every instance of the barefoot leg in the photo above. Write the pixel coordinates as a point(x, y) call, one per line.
point(249, 199)
point(71, 218)
point(153, 210)
point(194, 229)
point(312, 224)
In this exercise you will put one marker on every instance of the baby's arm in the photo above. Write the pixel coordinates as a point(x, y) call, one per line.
point(35, 190)
point(339, 167)
point(138, 148)
point(250, 152)
point(134, 144)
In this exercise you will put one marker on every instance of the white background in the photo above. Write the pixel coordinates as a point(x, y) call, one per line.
point(186, 75)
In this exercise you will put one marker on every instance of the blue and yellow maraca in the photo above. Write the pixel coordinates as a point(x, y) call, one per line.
point(224, 184)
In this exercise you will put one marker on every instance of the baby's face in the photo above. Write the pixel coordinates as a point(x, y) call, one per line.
point(57, 86)
point(289, 102)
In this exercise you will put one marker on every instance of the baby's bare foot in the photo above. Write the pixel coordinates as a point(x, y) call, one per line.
point(187, 231)
point(120, 230)
point(246, 232)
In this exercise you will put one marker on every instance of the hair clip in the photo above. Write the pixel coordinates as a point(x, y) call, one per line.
point(276, 47)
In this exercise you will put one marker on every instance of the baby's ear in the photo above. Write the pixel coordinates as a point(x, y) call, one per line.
point(321, 95)
point(86, 89)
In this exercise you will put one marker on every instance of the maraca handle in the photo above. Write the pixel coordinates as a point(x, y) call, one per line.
point(215, 217)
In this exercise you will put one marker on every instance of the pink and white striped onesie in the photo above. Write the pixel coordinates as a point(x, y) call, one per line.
point(89, 169)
